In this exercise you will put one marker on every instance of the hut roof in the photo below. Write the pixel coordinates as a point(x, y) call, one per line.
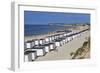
point(29, 41)
point(27, 52)
point(37, 47)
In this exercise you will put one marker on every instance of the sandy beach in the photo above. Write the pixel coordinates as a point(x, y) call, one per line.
point(64, 51)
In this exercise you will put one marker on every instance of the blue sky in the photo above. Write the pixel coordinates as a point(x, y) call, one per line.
point(44, 18)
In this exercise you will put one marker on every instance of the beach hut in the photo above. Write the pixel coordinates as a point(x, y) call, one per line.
point(41, 41)
point(56, 36)
point(40, 50)
point(46, 39)
point(65, 34)
point(47, 47)
point(66, 39)
point(26, 57)
point(69, 33)
point(33, 43)
point(69, 38)
point(36, 42)
point(60, 35)
point(28, 44)
point(52, 46)
point(53, 37)
point(63, 40)
point(58, 42)
point(79, 34)
point(30, 56)
point(74, 36)
point(50, 38)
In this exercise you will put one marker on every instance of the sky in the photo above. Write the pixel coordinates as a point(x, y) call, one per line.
point(45, 18)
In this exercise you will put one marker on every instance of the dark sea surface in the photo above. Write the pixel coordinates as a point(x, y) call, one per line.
point(30, 30)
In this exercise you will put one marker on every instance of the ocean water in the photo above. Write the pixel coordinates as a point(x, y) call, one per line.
point(30, 30)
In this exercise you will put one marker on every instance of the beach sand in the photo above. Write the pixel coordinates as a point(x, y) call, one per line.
point(65, 50)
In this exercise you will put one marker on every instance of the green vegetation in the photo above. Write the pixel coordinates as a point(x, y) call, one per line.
point(81, 52)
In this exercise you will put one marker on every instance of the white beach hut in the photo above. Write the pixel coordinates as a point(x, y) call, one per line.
point(52, 37)
point(61, 35)
point(79, 34)
point(65, 34)
point(47, 47)
point(62, 42)
point(36, 42)
point(33, 43)
point(52, 46)
point(74, 36)
point(30, 56)
point(28, 44)
point(41, 41)
point(69, 38)
point(66, 39)
point(26, 57)
point(55, 37)
point(58, 42)
point(69, 33)
point(47, 40)
point(40, 50)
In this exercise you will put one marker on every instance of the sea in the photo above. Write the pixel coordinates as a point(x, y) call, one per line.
point(30, 30)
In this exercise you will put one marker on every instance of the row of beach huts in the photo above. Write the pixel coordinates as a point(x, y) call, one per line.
point(40, 47)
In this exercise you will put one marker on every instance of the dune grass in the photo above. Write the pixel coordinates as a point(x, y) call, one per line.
point(81, 52)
